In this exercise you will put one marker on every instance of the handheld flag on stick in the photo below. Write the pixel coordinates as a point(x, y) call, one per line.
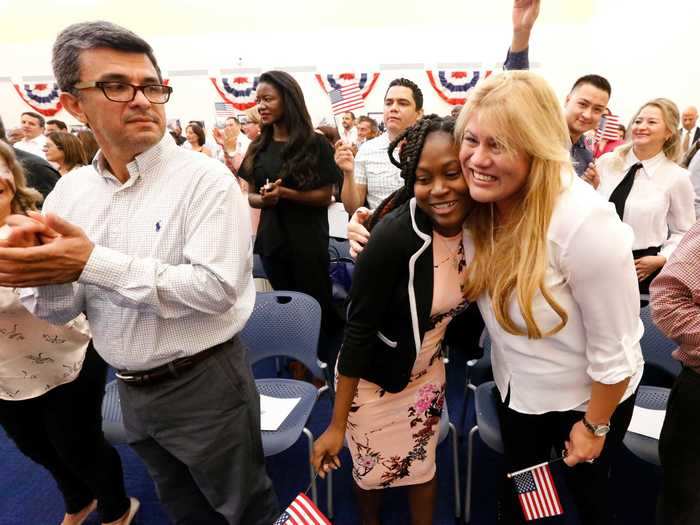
point(537, 492)
point(302, 511)
point(346, 98)
point(608, 128)
point(224, 110)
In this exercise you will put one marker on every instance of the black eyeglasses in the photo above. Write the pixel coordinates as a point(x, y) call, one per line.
point(124, 92)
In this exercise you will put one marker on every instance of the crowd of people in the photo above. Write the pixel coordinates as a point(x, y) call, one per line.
point(509, 214)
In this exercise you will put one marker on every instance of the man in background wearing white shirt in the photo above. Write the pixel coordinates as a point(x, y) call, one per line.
point(348, 131)
point(690, 132)
point(157, 253)
point(34, 139)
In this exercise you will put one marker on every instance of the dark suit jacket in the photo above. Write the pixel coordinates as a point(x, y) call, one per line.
point(40, 174)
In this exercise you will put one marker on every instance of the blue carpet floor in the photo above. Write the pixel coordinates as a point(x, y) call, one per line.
point(28, 495)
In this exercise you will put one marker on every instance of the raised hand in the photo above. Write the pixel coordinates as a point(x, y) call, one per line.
point(344, 157)
point(525, 13)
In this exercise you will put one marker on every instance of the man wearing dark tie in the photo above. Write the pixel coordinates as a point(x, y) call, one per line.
point(690, 132)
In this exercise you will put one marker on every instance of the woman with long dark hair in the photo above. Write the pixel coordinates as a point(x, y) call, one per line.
point(291, 172)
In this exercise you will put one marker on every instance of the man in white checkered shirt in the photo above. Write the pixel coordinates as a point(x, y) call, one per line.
point(371, 177)
point(153, 243)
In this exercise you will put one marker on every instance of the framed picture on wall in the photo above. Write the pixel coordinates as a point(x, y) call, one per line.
point(376, 115)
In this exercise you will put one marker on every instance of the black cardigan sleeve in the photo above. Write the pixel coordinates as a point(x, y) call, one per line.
point(381, 267)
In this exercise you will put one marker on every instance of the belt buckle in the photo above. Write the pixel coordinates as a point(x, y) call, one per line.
point(125, 377)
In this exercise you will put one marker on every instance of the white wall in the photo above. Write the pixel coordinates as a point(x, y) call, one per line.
point(641, 46)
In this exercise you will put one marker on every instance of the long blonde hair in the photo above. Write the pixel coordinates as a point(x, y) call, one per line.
point(671, 118)
point(511, 260)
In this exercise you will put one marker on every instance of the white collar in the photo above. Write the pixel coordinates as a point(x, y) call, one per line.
point(650, 165)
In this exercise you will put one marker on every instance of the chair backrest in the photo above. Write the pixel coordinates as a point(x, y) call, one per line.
point(284, 324)
point(652, 397)
point(486, 407)
point(656, 347)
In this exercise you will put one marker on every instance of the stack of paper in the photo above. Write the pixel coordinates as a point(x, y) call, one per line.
point(647, 422)
point(274, 410)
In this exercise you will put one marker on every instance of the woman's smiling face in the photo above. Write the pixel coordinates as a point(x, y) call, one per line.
point(492, 173)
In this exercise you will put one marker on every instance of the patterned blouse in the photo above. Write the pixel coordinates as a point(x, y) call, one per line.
point(36, 356)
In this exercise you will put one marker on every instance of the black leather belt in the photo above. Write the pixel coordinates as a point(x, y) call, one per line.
point(167, 371)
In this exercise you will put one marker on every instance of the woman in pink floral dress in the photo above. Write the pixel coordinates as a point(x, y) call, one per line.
point(390, 373)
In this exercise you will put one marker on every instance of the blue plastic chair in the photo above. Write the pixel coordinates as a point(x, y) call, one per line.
point(287, 324)
point(446, 428)
point(293, 426)
point(112, 422)
point(657, 348)
point(478, 371)
point(489, 428)
point(644, 447)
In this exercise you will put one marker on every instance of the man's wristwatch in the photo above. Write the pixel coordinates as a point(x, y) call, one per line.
point(596, 430)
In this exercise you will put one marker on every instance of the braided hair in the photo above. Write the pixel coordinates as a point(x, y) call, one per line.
point(411, 141)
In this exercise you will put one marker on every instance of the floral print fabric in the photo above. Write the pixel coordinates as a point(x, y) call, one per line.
point(393, 437)
point(36, 356)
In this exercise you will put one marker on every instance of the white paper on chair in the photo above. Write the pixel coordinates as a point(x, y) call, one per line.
point(337, 221)
point(647, 422)
point(274, 410)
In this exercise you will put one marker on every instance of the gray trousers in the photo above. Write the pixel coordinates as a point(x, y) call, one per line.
point(199, 436)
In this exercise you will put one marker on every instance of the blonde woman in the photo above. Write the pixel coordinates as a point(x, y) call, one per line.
point(51, 388)
point(650, 191)
point(550, 268)
point(554, 279)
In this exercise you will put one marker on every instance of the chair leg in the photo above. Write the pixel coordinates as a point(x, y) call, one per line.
point(465, 405)
point(455, 468)
point(312, 476)
point(468, 484)
point(329, 494)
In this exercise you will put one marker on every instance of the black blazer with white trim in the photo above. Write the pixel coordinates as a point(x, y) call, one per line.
point(390, 303)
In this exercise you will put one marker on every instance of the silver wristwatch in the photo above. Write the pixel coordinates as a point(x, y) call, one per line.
point(596, 430)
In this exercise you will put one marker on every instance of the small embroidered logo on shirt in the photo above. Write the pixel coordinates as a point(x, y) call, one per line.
point(158, 226)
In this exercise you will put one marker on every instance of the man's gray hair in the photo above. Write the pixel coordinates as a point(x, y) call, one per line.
point(92, 35)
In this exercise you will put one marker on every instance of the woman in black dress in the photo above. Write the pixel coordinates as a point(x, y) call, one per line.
point(293, 172)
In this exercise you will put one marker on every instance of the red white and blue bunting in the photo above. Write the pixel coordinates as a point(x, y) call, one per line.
point(452, 85)
point(42, 98)
point(238, 91)
point(332, 81)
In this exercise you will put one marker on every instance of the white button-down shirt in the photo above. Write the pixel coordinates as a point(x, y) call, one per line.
point(171, 272)
point(35, 145)
point(691, 133)
point(660, 206)
point(591, 275)
point(374, 170)
point(348, 136)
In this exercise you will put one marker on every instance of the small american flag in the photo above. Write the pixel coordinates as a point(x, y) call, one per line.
point(224, 110)
point(608, 128)
point(537, 492)
point(347, 98)
point(302, 511)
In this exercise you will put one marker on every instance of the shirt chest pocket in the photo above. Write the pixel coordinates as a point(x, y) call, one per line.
point(158, 233)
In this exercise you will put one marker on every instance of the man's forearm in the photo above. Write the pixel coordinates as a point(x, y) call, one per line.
point(351, 195)
point(520, 42)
